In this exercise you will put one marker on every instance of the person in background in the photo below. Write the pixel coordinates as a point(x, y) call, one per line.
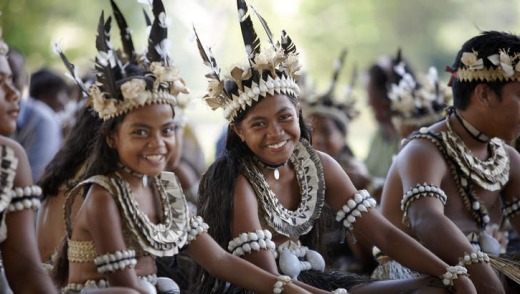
point(384, 143)
point(330, 117)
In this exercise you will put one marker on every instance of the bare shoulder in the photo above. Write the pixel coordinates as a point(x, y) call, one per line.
point(100, 206)
point(420, 161)
point(10, 143)
point(244, 197)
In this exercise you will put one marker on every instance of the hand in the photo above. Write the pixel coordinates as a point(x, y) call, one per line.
point(464, 285)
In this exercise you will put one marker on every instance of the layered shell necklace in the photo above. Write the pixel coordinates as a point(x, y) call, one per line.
point(309, 173)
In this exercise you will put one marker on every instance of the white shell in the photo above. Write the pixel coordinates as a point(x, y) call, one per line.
point(489, 244)
point(289, 264)
point(316, 260)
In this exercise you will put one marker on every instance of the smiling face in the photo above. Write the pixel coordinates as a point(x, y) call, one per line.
point(145, 139)
point(270, 129)
point(9, 99)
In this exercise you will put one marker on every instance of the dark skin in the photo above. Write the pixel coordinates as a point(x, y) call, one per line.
point(420, 162)
point(271, 131)
point(145, 141)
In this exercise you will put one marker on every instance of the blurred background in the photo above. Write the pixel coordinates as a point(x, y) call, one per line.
point(428, 32)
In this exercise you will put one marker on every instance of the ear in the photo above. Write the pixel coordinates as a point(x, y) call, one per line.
point(298, 108)
point(483, 94)
point(110, 141)
point(235, 128)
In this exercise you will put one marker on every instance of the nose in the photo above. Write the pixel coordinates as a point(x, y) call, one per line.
point(12, 94)
point(156, 140)
point(274, 130)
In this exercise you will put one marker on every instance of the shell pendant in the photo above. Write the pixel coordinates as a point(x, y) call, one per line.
point(276, 174)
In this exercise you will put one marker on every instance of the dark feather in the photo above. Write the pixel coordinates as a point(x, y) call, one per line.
point(71, 68)
point(147, 19)
point(107, 75)
point(126, 37)
point(264, 24)
point(287, 44)
point(158, 33)
point(208, 58)
point(251, 40)
point(337, 71)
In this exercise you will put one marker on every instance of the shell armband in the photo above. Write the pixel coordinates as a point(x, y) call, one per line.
point(252, 241)
point(197, 227)
point(117, 261)
point(360, 202)
point(420, 191)
point(25, 198)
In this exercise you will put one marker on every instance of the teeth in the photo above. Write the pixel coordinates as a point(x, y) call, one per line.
point(277, 145)
point(154, 157)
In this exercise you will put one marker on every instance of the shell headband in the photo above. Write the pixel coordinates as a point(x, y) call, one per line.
point(418, 102)
point(154, 80)
point(505, 67)
point(270, 70)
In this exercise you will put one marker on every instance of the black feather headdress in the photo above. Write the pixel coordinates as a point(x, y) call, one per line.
point(127, 80)
point(327, 104)
point(269, 71)
point(418, 102)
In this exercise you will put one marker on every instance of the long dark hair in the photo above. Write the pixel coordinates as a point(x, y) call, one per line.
point(73, 153)
point(216, 193)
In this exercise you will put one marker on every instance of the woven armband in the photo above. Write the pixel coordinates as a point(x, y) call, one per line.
point(25, 198)
point(359, 203)
point(252, 241)
point(197, 227)
point(511, 209)
point(116, 261)
point(420, 191)
point(8, 164)
point(476, 256)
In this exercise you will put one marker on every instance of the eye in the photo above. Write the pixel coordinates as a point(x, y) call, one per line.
point(170, 130)
point(258, 124)
point(286, 116)
point(140, 132)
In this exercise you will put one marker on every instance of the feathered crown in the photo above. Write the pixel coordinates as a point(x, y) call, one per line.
point(420, 102)
point(502, 67)
point(270, 70)
point(126, 80)
point(328, 105)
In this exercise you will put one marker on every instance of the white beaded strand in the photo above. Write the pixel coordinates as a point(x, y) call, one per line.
point(116, 261)
point(476, 256)
point(25, 198)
